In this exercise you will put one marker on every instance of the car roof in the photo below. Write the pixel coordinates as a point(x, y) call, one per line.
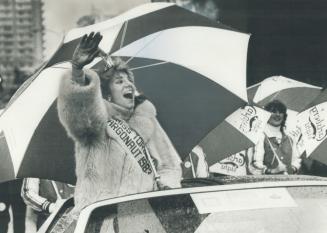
point(223, 184)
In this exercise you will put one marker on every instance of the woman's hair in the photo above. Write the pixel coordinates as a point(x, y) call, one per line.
point(277, 106)
point(118, 67)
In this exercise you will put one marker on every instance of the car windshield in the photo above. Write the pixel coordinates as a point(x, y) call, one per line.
point(298, 209)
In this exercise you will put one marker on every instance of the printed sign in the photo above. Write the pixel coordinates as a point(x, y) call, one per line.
point(315, 128)
point(250, 121)
point(293, 129)
point(313, 123)
point(233, 165)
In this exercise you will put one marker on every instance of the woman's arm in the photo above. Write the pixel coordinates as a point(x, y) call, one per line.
point(259, 153)
point(81, 107)
point(31, 197)
point(296, 158)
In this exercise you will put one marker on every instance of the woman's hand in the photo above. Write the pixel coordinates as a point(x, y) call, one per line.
point(162, 186)
point(54, 206)
point(281, 168)
point(86, 50)
point(294, 170)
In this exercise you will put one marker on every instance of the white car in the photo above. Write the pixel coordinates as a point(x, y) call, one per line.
point(256, 204)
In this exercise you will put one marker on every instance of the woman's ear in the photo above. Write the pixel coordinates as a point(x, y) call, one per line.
point(109, 98)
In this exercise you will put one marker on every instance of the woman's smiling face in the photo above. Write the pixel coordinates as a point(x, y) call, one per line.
point(276, 118)
point(122, 90)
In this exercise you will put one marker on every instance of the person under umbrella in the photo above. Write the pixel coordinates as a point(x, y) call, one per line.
point(120, 147)
point(276, 153)
point(43, 196)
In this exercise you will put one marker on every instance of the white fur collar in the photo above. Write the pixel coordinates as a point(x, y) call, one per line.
point(142, 119)
point(145, 109)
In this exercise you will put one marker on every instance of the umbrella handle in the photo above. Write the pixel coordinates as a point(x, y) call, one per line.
point(56, 190)
point(107, 59)
point(192, 166)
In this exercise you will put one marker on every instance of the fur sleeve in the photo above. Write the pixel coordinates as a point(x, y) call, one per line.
point(81, 108)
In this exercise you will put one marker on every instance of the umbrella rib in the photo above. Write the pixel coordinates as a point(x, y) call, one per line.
point(146, 66)
point(146, 45)
point(274, 96)
point(59, 67)
point(124, 34)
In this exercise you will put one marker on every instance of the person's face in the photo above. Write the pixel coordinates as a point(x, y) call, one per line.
point(276, 118)
point(122, 91)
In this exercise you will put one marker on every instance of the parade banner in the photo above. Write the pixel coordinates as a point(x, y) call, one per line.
point(234, 165)
point(250, 121)
point(313, 123)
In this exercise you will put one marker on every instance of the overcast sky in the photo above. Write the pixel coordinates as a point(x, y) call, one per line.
point(61, 15)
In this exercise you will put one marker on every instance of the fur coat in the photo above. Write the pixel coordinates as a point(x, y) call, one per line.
point(103, 168)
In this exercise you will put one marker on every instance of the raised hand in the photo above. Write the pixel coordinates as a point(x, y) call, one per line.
point(86, 50)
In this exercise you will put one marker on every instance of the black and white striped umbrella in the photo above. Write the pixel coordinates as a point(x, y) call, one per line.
point(294, 94)
point(191, 68)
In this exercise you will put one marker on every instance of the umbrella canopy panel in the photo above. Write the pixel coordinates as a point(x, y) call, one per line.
point(6, 165)
point(290, 97)
point(50, 150)
point(294, 94)
point(189, 105)
point(164, 17)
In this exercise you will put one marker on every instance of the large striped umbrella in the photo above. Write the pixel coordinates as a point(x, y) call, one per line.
point(294, 94)
point(184, 63)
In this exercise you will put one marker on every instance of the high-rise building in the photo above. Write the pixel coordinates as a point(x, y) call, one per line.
point(21, 37)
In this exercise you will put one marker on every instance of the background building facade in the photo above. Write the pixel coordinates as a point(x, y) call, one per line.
point(21, 38)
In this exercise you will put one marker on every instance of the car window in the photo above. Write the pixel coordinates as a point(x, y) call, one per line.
point(178, 213)
point(163, 214)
